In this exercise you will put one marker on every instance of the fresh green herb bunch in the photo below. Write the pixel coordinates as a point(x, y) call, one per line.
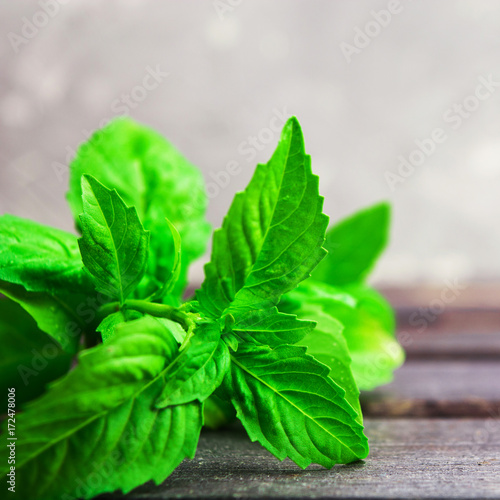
point(256, 341)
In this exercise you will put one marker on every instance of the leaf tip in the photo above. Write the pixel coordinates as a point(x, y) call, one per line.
point(292, 126)
point(88, 182)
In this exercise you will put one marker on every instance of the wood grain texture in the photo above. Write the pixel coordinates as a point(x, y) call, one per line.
point(453, 345)
point(409, 459)
point(439, 388)
point(463, 296)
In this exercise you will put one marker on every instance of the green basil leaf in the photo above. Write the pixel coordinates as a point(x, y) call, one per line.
point(30, 358)
point(370, 336)
point(271, 238)
point(270, 327)
point(369, 327)
point(231, 340)
point(40, 258)
point(218, 411)
point(354, 245)
point(151, 175)
point(58, 315)
point(198, 369)
point(166, 273)
point(101, 417)
point(174, 328)
point(114, 245)
point(326, 342)
point(108, 325)
point(287, 402)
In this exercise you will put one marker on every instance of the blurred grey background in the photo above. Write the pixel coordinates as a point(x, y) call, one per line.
point(368, 80)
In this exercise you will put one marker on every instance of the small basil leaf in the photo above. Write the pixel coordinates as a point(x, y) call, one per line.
point(198, 369)
point(270, 327)
point(114, 245)
point(58, 315)
point(151, 175)
point(40, 258)
point(354, 245)
point(287, 402)
point(271, 238)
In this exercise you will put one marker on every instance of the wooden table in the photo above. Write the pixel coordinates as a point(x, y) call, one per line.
point(434, 432)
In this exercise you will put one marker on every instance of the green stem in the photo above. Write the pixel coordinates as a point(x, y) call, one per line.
point(108, 309)
point(187, 338)
point(152, 308)
point(185, 319)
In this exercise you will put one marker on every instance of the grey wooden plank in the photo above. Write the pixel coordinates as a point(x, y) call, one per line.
point(445, 379)
point(477, 295)
point(453, 345)
point(421, 321)
point(442, 388)
point(409, 459)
